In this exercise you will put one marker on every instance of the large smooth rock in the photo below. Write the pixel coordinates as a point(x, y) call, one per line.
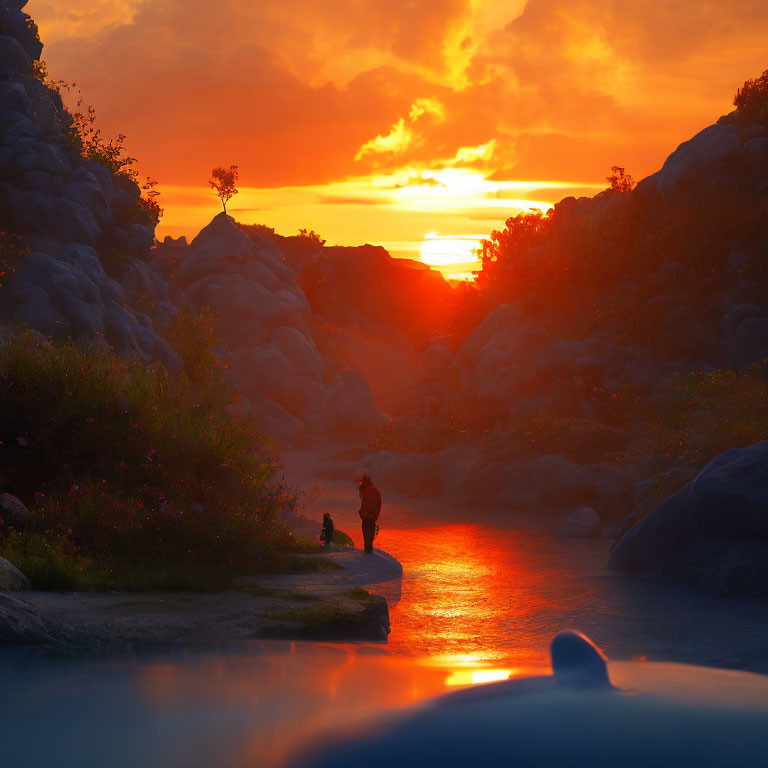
point(653, 540)
point(20, 624)
point(13, 513)
point(713, 533)
point(589, 712)
point(729, 498)
point(11, 578)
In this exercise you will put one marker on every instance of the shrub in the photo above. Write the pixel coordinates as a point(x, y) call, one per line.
point(620, 180)
point(710, 413)
point(311, 237)
point(134, 473)
point(460, 423)
point(751, 100)
point(87, 140)
point(506, 268)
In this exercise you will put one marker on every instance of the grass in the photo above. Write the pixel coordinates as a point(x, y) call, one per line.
point(324, 619)
point(287, 594)
point(297, 564)
point(358, 593)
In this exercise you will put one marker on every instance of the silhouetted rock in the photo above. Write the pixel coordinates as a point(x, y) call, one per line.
point(582, 523)
point(714, 532)
point(13, 513)
point(275, 362)
point(11, 578)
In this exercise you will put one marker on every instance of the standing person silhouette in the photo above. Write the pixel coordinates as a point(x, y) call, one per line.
point(370, 509)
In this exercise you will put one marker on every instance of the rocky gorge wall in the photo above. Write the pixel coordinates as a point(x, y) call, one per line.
point(75, 215)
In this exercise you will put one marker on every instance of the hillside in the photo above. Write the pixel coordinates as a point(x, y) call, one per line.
point(608, 350)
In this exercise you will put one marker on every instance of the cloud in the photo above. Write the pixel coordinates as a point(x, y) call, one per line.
point(469, 155)
point(298, 92)
point(397, 140)
point(349, 200)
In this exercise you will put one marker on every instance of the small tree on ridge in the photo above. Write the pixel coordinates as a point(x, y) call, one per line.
point(620, 180)
point(223, 180)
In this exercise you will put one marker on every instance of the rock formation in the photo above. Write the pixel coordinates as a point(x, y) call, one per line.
point(713, 533)
point(75, 216)
point(274, 360)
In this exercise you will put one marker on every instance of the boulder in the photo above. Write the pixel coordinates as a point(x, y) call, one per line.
point(713, 533)
point(561, 482)
point(582, 523)
point(11, 578)
point(20, 624)
point(13, 513)
point(750, 340)
point(275, 361)
point(710, 163)
point(729, 498)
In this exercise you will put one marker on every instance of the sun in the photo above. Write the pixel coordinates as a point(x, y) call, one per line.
point(454, 255)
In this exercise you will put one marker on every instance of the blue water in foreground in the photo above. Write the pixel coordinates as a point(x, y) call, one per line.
point(478, 604)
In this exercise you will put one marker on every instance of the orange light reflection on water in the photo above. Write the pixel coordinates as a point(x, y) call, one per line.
point(475, 596)
point(477, 605)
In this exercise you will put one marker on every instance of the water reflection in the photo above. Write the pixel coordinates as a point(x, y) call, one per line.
point(473, 595)
point(477, 605)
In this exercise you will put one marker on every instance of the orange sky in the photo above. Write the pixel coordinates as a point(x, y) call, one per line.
point(384, 120)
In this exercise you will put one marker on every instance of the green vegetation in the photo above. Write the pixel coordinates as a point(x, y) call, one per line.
point(620, 180)
point(134, 479)
point(320, 620)
point(302, 564)
point(223, 181)
point(286, 594)
point(86, 139)
point(710, 413)
point(751, 100)
point(358, 593)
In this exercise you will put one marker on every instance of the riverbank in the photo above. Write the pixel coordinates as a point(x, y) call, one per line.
point(492, 586)
point(328, 604)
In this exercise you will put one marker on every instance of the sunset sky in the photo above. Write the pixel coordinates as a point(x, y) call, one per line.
point(382, 122)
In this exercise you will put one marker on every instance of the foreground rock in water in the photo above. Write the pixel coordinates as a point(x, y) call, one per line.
point(20, 624)
point(713, 533)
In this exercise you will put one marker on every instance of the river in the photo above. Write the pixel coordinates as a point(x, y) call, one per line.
point(482, 595)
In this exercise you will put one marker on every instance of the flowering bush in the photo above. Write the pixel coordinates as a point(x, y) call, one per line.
point(135, 472)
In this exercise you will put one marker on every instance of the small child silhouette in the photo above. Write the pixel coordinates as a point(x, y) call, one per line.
point(326, 536)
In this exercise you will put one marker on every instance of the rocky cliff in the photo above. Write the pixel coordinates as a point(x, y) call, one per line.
point(74, 238)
